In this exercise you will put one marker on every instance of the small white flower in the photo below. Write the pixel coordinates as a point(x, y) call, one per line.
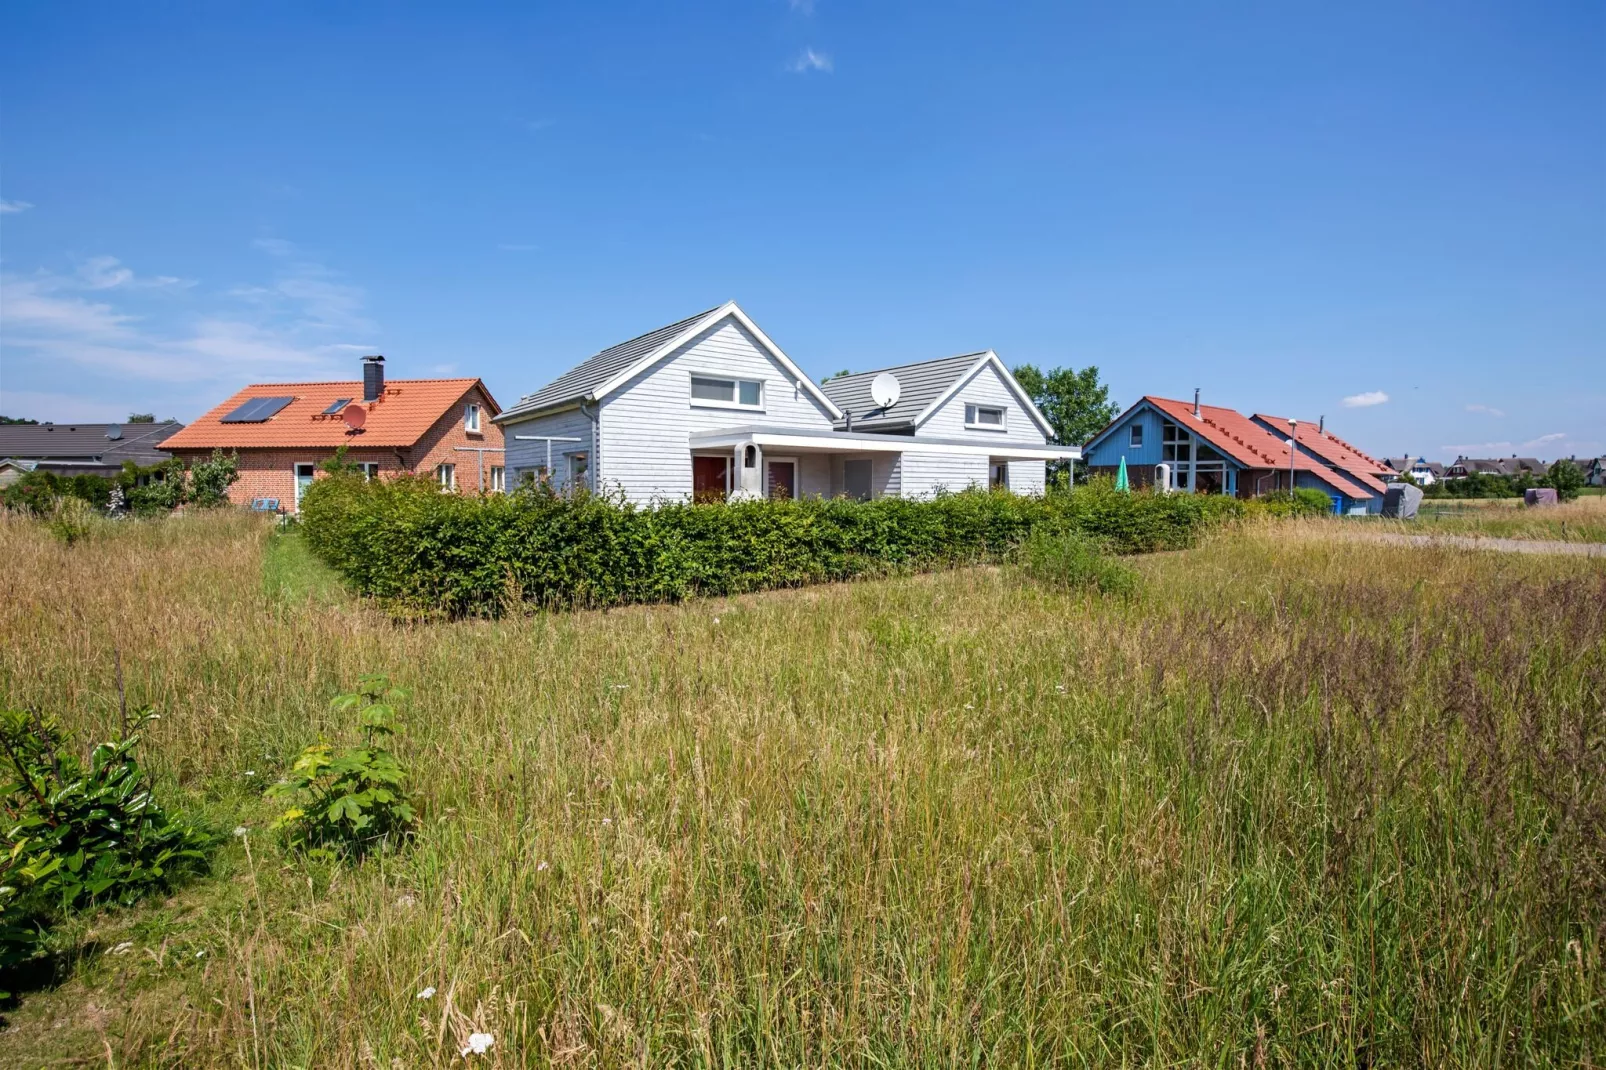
point(607, 821)
point(250, 772)
point(404, 901)
point(123, 948)
point(478, 1044)
point(716, 620)
point(968, 706)
point(241, 831)
point(542, 868)
point(426, 993)
point(201, 952)
point(621, 687)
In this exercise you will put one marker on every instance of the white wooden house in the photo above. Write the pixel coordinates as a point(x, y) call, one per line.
point(710, 407)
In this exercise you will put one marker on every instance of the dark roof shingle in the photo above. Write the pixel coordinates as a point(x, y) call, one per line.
point(919, 385)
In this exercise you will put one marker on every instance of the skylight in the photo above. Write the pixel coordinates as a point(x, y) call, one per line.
point(338, 407)
point(256, 411)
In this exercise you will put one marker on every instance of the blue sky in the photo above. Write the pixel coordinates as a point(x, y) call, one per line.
point(1300, 209)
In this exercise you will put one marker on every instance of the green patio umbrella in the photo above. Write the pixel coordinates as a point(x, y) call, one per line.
point(1120, 476)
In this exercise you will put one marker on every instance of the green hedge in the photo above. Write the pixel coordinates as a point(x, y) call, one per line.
point(405, 540)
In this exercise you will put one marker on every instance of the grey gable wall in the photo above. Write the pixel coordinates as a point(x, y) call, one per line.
point(646, 422)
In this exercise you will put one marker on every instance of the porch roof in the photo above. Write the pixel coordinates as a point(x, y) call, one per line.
point(808, 440)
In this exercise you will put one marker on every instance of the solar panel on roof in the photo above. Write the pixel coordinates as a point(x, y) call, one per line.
point(335, 409)
point(256, 411)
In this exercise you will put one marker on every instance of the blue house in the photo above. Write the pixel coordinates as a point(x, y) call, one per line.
point(1207, 449)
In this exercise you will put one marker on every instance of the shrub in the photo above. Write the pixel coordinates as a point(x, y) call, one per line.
point(77, 836)
point(153, 490)
point(352, 799)
point(1567, 480)
point(210, 479)
point(1304, 501)
point(404, 540)
point(1074, 561)
point(39, 491)
point(72, 519)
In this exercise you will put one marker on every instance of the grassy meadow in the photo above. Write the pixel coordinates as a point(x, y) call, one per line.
point(1580, 520)
point(1295, 801)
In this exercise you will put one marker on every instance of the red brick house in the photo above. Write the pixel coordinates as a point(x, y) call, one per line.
point(281, 431)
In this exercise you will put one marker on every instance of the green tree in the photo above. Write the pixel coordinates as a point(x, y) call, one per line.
point(210, 479)
point(1565, 477)
point(16, 420)
point(142, 417)
point(1075, 403)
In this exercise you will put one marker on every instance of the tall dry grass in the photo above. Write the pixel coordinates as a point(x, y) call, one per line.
point(1296, 802)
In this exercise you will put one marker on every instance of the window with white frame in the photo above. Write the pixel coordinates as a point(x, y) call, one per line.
point(446, 476)
point(471, 418)
point(579, 466)
point(985, 417)
point(498, 479)
point(727, 393)
point(1136, 438)
point(370, 469)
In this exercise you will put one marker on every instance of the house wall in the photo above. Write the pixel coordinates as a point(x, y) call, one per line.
point(571, 423)
point(1028, 477)
point(922, 475)
point(1108, 452)
point(439, 444)
point(646, 423)
point(985, 387)
point(886, 474)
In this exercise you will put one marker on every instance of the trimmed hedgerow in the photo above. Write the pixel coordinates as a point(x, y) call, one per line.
point(405, 541)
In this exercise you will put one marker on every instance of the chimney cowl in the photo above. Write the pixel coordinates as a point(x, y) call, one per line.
point(373, 378)
point(1195, 403)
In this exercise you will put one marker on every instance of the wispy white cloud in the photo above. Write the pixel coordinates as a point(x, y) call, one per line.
point(304, 323)
point(1544, 440)
point(1481, 449)
point(1365, 400)
point(810, 60)
point(1487, 410)
point(7, 207)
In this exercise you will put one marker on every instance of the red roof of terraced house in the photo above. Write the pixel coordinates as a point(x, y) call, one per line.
point(403, 413)
point(1329, 447)
point(1251, 445)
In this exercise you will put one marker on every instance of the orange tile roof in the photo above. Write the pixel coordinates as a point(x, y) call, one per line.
point(1251, 445)
point(1329, 447)
point(399, 418)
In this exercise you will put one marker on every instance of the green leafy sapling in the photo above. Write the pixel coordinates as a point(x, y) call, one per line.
point(349, 800)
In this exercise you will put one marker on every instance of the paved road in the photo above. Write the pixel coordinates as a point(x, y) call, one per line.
point(1514, 546)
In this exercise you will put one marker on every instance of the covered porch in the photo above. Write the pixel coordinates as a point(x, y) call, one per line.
point(782, 462)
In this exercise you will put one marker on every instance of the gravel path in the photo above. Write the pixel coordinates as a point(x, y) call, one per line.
point(1513, 546)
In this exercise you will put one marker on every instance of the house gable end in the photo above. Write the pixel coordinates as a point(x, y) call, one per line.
point(989, 359)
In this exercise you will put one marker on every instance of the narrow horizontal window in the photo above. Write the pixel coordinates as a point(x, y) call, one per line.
point(737, 393)
point(713, 389)
point(983, 416)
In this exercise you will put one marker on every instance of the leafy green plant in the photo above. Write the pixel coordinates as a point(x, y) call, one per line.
point(72, 519)
point(1073, 561)
point(155, 489)
point(211, 478)
point(78, 835)
point(1304, 501)
point(349, 800)
point(1567, 480)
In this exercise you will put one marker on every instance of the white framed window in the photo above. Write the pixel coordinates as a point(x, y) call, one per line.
point(1000, 475)
point(369, 469)
point(498, 479)
point(579, 466)
point(984, 417)
point(471, 418)
point(714, 392)
point(446, 476)
point(1135, 440)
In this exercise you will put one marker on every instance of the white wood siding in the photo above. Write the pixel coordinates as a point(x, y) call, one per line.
point(885, 473)
point(520, 455)
point(1028, 477)
point(986, 387)
point(645, 424)
point(924, 474)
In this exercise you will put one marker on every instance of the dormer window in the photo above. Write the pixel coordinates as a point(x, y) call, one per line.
point(471, 419)
point(984, 417)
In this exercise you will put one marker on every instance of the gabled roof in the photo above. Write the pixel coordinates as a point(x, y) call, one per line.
point(604, 372)
point(1334, 450)
point(923, 388)
point(401, 416)
point(109, 443)
point(1238, 437)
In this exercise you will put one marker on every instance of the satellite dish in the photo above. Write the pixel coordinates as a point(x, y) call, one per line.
point(884, 389)
point(355, 416)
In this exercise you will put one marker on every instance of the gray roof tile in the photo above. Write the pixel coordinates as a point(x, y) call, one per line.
point(578, 382)
point(136, 442)
point(919, 385)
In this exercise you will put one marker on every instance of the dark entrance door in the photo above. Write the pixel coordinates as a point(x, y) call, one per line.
point(708, 478)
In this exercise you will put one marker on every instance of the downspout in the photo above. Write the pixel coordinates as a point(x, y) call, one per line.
point(595, 416)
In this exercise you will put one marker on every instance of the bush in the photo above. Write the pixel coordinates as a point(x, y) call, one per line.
point(1304, 501)
point(77, 836)
point(351, 799)
point(1074, 561)
point(38, 492)
point(72, 520)
point(404, 540)
point(210, 479)
point(1567, 480)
